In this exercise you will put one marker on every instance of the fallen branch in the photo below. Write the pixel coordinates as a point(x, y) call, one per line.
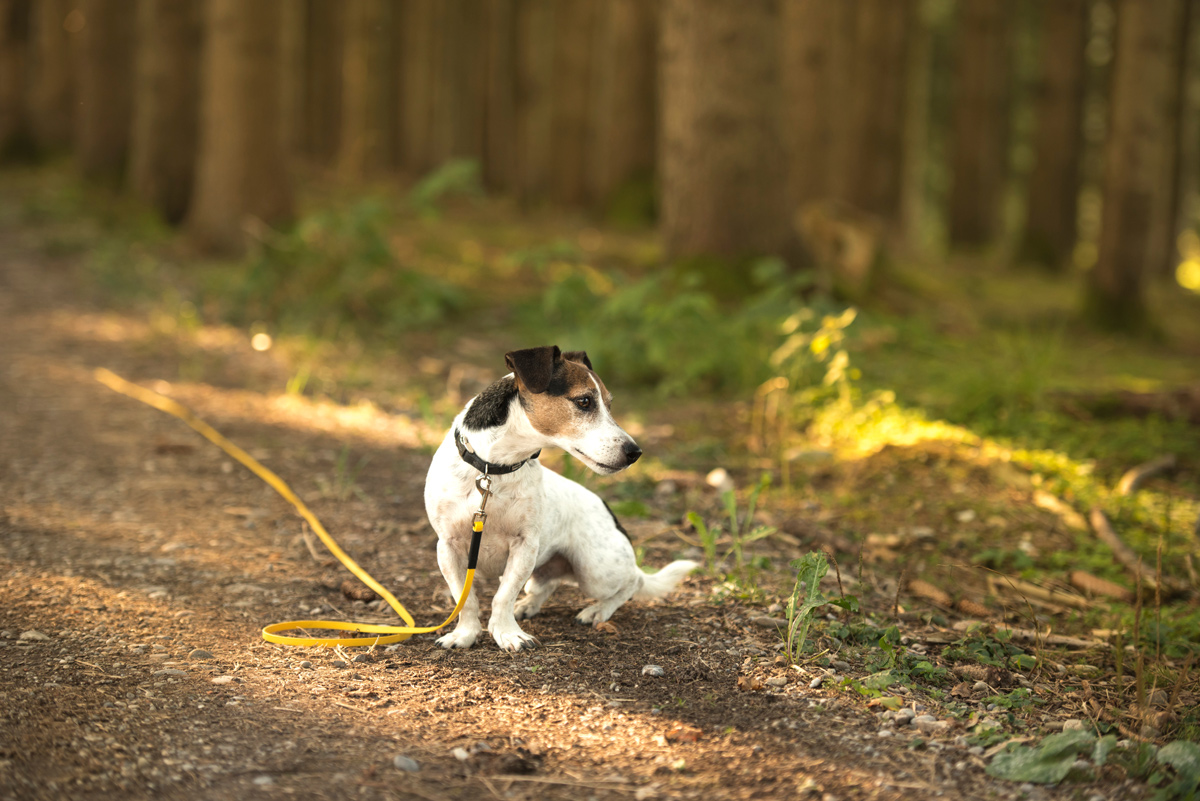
point(1134, 477)
point(1041, 593)
point(1066, 512)
point(1129, 558)
point(1061, 640)
point(1094, 585)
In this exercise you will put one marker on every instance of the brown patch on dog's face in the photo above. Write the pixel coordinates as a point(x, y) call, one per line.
point(570, 404)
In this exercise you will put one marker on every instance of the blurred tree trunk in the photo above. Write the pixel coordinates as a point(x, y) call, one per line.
point(720, 152)
point(363, 143)
point(52, 96)
point(979, 121)
point(417, 54)
point(104, 83)
point(535, 106)
point(1053, 192)
point(458, 83)
point(574, 37)
point(15, 135)
point(624, 107)
point(322, 78)
point(291, 75)
point(1164, 249)
point(500, 104)
point(1133, 162)
point(163, 139)
point(875, 107)
point(809, 102)
point(241, 172)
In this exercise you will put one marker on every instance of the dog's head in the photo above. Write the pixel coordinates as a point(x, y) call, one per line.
point(568, 403)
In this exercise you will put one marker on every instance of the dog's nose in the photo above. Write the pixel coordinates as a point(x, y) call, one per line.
point(632, 452)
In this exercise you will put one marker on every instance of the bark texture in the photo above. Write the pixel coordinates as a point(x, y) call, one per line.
point(163, 139)
point(104, 81)
point(15, 134)
point(1052, 204)
point(52, 92)
point(1133, 160)
point(722, 186)
point(241, 174)
point(363, 141)
point(979, 121)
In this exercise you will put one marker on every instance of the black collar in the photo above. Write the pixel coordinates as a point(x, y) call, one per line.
point(490, 469)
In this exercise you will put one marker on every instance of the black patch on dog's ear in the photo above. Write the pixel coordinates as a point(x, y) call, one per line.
point(534, 367)
point(580, 357)
point(490, 407)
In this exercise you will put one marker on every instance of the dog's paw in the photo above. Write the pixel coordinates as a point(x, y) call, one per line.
point(596, 613)
point(459, 638)
point(526, 608)
point(513, 639)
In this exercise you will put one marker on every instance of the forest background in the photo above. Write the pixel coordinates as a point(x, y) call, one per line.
point(818, 247)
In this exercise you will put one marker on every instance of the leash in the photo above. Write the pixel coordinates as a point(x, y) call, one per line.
point(385, 634)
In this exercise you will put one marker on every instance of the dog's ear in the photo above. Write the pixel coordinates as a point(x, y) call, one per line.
point(579, 357)
point(534, 367)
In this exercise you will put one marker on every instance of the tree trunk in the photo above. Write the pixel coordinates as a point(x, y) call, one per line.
point(1164, 249)
point(535, 106)
point(1053, 193)
point(363, 141)
point(458, 85)
point(417, 54)
point(626, 97)
point(322, 78)
point(104, 81)
point(574, 36)
point(292, 47)
point(500, 104)
point(163, 139)
point(979, 121)
point(15, 136)
point(809, 103)
point(876, 107)
point(1133, 172)
point(720, 150)
point(241, 171)
point(52, 102)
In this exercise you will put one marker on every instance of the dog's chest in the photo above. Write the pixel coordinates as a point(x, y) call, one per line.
point(514, 510)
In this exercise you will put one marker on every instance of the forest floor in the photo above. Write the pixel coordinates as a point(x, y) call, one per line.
point(138, 565)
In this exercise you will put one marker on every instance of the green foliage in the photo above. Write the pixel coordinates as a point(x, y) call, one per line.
point(336, 269)
point(1047, 763)
point(671, 331)
point(741, 532)
point(805, 600)
point(455, 177)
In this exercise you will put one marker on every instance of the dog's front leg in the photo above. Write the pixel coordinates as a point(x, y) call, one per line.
point(522, 559)
point(454, 570)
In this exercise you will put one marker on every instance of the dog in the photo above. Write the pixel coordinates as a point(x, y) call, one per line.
point(541, 528)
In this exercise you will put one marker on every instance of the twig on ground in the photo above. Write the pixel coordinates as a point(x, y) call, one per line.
point(1126, 555)
point(1041, 593)
point(308, 541)
point(1134, 477)
point(1094, 585)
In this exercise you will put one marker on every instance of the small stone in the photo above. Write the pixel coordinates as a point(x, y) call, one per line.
point(461, 754)
point(816, 683)
point(306, 665)
point(777, 681)
point(1073, 724)
point(841, 666)
point(337, 663)
point(33, 635)
point(975, 750)
point(222, 680)
point(201, 654)
point(653, 670)
point(966, 515)
point(263, 781)
point(932, 726)
point(360, 658)
point(885, 732)
point(406, 764)
point(169, 672)
point(906, 712)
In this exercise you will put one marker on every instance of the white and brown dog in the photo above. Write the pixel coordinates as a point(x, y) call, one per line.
point(541, 528)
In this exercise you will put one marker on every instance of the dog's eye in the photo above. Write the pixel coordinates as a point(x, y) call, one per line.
point(584, 403)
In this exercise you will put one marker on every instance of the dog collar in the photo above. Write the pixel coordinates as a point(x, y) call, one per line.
point(488, 468)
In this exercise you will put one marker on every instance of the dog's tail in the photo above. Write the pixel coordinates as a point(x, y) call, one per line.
point(656, 585)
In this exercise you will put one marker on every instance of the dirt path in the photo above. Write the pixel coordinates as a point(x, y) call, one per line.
point(127, 544)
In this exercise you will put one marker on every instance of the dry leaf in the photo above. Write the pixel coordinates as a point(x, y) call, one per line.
point(607, 627)
point(683, 734)
point(750, 683)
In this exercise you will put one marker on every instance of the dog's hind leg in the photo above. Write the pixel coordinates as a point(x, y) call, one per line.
point(454, 570)
point(603, 609)
point(541, 585)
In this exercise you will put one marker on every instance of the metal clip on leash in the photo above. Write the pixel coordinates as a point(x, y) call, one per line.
point(484, 485)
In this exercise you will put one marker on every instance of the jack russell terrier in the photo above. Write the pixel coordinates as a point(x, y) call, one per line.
point(542, 528)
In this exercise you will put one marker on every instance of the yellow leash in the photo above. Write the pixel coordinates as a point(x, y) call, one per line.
point(387, 634)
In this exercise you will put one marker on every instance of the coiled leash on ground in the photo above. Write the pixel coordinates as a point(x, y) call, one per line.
point(386, 634)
